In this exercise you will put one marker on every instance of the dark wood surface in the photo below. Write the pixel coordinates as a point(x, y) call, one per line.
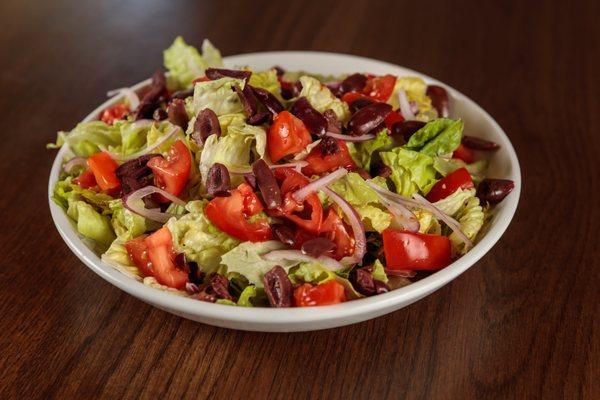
point(521, 324)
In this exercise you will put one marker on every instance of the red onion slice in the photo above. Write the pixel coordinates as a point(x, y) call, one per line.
point(358, 229)
point(405, 108)
point(297, 255)
point(129, 94)
point(148, 149)
point(297, 165)
point(191, 288)
point(300, 194)
point(74, 162)
point(348, 138)
point(154, 214)
point(403, 273)
point(403, 216)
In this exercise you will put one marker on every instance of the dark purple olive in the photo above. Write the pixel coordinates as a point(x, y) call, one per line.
point(267, 184)
point(183, 94)
point(177, 114)
point(314, 121)
point(368, 118)
point(380, 169)
point(251, 180)
point(218, 73)
point(259, 118)
point(354, 83)
point(359, 103)
point(381, 287)
point(216, 287)
point(278, 287)
point(207, 123)
point(196, 275)
point(363, 281)
point(249, 101)
point(285, 234)
point(152, 98)
point(479, 144)
point(329, 146)
point(334, 125)
point(135, 174)
point(268, 100)
point(291, 90)
point(279, 70)
point(439, 100)
point(218, 182)
point(159, 115)
point(402, 131)
point(494, 191)
point(317, 247)
point(335, 88)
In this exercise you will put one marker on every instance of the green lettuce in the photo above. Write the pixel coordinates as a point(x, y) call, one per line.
point(66, 190)
point(455, 202)
point(90, 223)
point(126, 224)
point(267, 80)
point(379, 272)
point(218, 95)
point(195, 236)
point(412, 171)
point(320, 97)
point(362, 152)
point(87, 138)
point(471, 218)
point(117, 256)
point(440, 136)
point(416, 91)
point(185, 63)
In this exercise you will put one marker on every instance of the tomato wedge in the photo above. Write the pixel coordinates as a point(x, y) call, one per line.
point(319, 161)
point(138, 253)
point(162, 257)
point(171, 173)
point(459, 179)
point(230, 214)
point(392, 118)
point(307, 215)
point(103, 167)
point(335, 229)
point(380, 88)
point(331, 292)
point(415, 251)
point(351, 97)
point(86, 180)
point(287, 135)
point(464, 153)
point(114, 113)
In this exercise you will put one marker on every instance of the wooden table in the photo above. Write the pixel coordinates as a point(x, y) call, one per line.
point(522, 323)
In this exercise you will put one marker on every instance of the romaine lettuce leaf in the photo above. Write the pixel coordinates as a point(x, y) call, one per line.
point(267, 80)
point(117, 256)
point(379, 272)
point(66, 190)
point(363, 151)
point(412, 171)
point(320, 97)
point(90, 223)
point(87, 138)
point(455, 202)
point(185, 63)
point(218, 95)
point(416, 90)
point(440, 136)
point(126, 224)
point(471, 218)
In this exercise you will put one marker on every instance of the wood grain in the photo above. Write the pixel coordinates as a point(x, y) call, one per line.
point(521, 324)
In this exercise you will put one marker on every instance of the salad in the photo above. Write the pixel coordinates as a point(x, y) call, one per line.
point(276, 188)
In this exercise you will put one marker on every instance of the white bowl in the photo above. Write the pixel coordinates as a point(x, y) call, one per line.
point(504, 164)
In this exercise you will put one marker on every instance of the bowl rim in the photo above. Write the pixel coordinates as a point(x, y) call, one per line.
point(407, 294)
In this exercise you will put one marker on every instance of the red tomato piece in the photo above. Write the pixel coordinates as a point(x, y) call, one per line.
point(351, 97)
point(162, 257)
point(380, 88)
point(103, 167)
point(415, 251)
point(230, 214)
point(392, 118)
point(114, 113)
point(336, 230)
point(331, 292)
point(464, 153)
point(172, 173)
point(287, 135)
point(86, 180)
point(138, 253)
point(319, 163)
point(459, 179)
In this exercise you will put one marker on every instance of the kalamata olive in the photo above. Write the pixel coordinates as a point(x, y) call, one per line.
point(329, 146)
point(402, 131)
point(359, 103)
point(335, 88)
point(216, 287)
point(177, 114)
point(268, 100)
point(183, 94)
point(218, 73)
point(285, 234)
point(278, 287)
point(248, 100)
point(333, 123)
point(152, 98)
point(314, 121)
point(317, 247)
point(354, 83)
point(439, 100)
point(135, 174)
point(159, 114)
point(207, 123)
point(260, 117)
point(267, 184)
point(380, 169)
point(279, 70)
point(479, 144)
point(494, 191)
point(363, 281)
point(196, 275)
point(291, 90)
point(368, 118)
point(218, 182)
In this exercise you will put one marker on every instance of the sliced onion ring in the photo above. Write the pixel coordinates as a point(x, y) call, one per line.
point(297, 255)
point(153, 214)
point(402, 215)
point(349, 138)
point(297, 165)
point(148, 149)
point(129, 94)
point(358, 229)
point(405, 108)
point(300, 194)
point(74, 162)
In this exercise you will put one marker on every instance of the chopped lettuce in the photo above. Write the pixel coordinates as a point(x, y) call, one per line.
point(87, 138)
point(412, 171)
point(195, 236)
point(379, 272)
point(267, 80)
point(428, 223)
point(363, 152)
point(446, 166)
point(440, 136)
point(246, 260)
point(309, 272)
point(126, 224)
point(117, 256)
point(471, 218)
point(90, 223)
point(320, 97)
point(66, 190)
point(416, 91)
point(218, 95)
point(185, 63)
point(455, 202)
